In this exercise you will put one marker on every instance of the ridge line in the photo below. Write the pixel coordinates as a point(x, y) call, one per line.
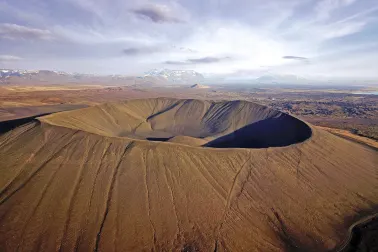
point(228, 203)
point(110, 192)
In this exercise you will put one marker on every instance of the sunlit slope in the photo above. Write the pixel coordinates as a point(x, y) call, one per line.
point(64, 189)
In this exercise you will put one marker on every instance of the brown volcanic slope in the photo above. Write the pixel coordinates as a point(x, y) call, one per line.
point(88, 180)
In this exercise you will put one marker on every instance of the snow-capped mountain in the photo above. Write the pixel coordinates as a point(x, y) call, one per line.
point(7, 73)
point(153, 77)
point(176, 76)
point(11, 76)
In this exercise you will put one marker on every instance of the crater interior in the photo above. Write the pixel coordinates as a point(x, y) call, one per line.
point(224, 124)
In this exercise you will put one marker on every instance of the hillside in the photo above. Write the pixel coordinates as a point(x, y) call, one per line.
point(231, 176)
point(199, 86)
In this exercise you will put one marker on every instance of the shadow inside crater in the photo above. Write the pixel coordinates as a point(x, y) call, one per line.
point(271, 132)
point(158, 139)
point(9, 125)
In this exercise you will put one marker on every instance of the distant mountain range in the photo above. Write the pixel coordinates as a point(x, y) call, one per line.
point(155, 77)
point(150, 78)
point(177, 76)
point(11, 76)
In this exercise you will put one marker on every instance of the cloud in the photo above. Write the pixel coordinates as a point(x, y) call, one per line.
point(95, 36)
point(157, 13)
point(28, 14)
point(184, 49)
point(204, 60)
point(172, 62)
point(325, 8)
point(9, 58)
point(207, 60)
point(93, 7)
point(135, 51)
point(13, 31)
point(294, 57)
point(342, 29)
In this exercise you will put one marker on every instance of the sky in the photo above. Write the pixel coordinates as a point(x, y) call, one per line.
point(318, 39)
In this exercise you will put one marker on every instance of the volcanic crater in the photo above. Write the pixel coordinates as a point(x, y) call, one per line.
point(225, 124)
point(180, 175)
